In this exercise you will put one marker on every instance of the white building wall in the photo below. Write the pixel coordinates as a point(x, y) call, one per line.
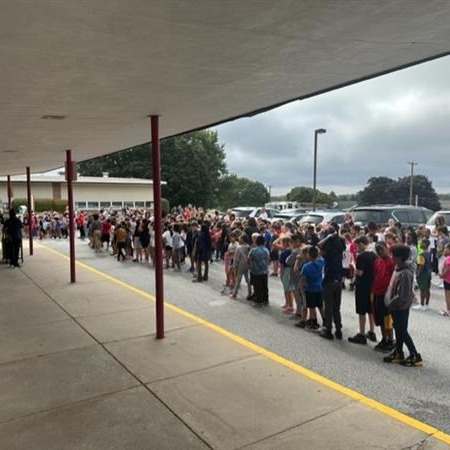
point(86, 192)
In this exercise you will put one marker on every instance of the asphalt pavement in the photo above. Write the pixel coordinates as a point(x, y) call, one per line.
point(419, 392)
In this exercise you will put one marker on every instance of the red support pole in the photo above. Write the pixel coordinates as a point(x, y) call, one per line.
point(30, 222)
point(69, 178)
point(157, 212)
point(9, 192)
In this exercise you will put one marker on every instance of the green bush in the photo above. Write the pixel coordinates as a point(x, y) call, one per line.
point(165, 206)
point(41, 204)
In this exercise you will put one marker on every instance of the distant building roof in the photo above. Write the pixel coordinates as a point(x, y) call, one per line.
point(41, 178)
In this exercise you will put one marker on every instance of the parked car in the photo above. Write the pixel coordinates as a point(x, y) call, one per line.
point(244, 212)
point(317, 217)
point(432, 220)
point(287, 215)
point(380, 214)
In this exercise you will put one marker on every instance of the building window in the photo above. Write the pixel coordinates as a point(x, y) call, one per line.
point(80, 205)
point(105, 204)
point(117, 204)
point(139, 204)
point(149, 204)
point(128, 204)
point(92, 205)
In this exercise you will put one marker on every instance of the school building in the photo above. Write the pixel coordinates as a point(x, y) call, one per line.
point(89, 192)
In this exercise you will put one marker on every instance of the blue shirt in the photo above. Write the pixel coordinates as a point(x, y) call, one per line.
point(312, 272)
point(259, 260)
point(284, 255)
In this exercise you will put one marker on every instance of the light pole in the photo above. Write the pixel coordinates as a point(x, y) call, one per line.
point(412, 164)
point(316, 132)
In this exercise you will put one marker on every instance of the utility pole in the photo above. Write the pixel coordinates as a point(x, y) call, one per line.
point(270, 191)
point(412, 164)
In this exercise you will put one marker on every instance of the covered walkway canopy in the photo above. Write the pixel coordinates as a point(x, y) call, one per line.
point(84, 75)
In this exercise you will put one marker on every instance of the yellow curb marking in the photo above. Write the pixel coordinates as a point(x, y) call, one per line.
point(374, 404)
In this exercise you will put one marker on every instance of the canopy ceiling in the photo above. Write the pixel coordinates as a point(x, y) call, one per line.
point(105, 65)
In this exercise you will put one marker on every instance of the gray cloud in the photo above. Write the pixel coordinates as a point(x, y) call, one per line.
point(373, 129)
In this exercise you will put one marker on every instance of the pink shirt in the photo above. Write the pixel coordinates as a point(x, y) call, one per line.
point(447, 263)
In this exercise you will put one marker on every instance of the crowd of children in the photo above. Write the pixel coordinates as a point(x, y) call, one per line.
point(384, 267)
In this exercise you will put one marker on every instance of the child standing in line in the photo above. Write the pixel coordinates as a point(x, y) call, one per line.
point(302, 309)
point(363, 288)
point(312, 286)
point(240, 265)
point(259, 260)
point(398, 300)
point(177, 247)
point(445, 275)
point(286, 275)
point(423, 274)
point(291, 261)
point(383, 267)
point(229, 259)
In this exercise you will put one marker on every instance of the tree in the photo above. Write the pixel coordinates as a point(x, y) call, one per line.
point(304, 194)
point(422, 187)
point(191, 164)
point(380, 190)
point(236, 191)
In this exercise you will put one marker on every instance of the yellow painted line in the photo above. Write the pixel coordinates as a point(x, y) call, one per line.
point(374, 404)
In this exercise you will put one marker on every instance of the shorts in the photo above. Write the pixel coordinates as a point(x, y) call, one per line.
point(348, 272)
point(313, 299)
point(362, 301)
point(446, 285)
point(381, 315)
point(105, 238)
point(424, 281)
point(137, 242)
point(287, 279)
point(300, 300)
point(274, 254)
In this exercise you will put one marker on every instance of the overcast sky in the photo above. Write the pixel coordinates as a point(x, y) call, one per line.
point(373, 129)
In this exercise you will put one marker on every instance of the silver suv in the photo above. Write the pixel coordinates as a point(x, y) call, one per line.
point(380, 214)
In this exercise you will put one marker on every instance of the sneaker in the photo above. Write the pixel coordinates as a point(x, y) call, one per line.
point(390, 346)
point(418, 307)
point(338, 334)
point(289, 310)
point(358, 339)
point(444, 313)
point(371, 336)
point(394, 358)
point(312, 325)
point(381, 347)
point(260, 304)
point(425, 308)
point(250, 298)
point(300, 324)
point(233, 296)
point(412, 361)
point(326, 335)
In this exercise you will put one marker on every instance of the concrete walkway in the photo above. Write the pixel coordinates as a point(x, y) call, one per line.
point(80, 369)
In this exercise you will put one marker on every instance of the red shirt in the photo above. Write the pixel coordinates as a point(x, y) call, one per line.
point(106, 227)
point(382, 272)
